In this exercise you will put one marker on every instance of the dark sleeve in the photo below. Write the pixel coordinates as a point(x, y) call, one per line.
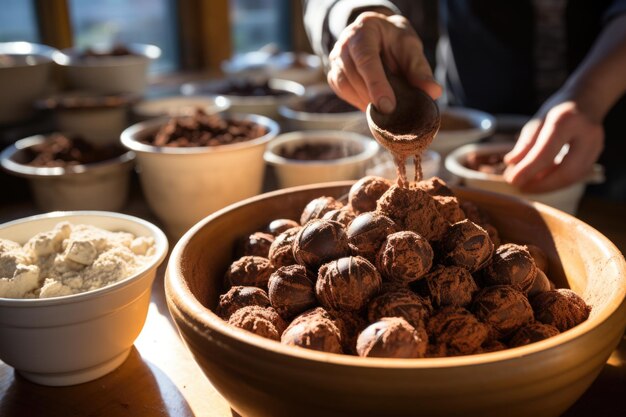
point(325, 19)
point(616, 8)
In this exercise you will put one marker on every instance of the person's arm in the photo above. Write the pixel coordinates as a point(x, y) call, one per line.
point(573, 116)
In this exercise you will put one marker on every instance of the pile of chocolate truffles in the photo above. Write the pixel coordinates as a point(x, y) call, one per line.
point(396, 273)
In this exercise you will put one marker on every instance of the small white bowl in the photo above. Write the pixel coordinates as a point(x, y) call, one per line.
point(482, 125)
point(300, 67)
point(292, 172)
point(262, 105)
point(98, 186)
point(77, 338)
point(565, 199)
point(108, 74)
point(176, 106)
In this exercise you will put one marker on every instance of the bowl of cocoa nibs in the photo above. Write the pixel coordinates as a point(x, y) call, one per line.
point(67, 172)
point(190, 166)
point(315, 156)
point(391, 301)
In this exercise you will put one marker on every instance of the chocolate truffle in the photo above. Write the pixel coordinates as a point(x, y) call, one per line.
point(281, 249)
point(262, 321)
point(250, 271)
point(291, 290)
point(347, 284)
point(343, 215)
point(539, 256)
point(279, 226)
point(493, 345)
point(532, 333)
point(400, 303)
point(449, 286)
point(449, 208)
point(511, 264)
point(350, 325)
point(316, 208)
point(503, 307)
point(258, 244)
point(435, 186)
point(541, 284)
point(368, 231)
point(413, 209)
point(562, 308)
point(466, 244)
point(404, 257)
point(238, 297)
point(458, 330)
point(320, 241)
point(365, 192)
point(314, 329)
point(392, 337)
point(475, 214)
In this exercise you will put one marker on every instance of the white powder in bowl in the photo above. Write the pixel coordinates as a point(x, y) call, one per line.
point(70, 259)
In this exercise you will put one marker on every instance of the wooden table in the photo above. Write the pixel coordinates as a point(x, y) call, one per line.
point(160, 378)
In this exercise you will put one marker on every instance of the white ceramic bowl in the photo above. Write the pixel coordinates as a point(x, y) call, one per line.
point(183, 185)
point(108, 74)
point(77, 338)
point(300, 67)
point(447, 139)
point(175, 106)
point(565, 199)
point(98, 186)
point(291, 172)
point(25, 75)
point(263, 105)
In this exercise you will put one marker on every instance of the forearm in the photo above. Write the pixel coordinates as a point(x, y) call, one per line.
point(600, 80)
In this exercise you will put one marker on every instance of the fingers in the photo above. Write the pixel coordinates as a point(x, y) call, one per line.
point(413, 64)
point(526, 140)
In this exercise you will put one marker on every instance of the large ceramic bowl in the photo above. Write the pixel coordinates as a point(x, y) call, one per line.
point(25, 75)
point(183, 185)
point(76, 338)
point(260, 377)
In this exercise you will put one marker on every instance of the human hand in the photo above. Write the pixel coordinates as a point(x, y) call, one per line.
point(374, 41)
point(532, 160)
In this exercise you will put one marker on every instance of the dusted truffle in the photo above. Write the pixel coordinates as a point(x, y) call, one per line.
point(320, 241)
point(562, 308)
point(279, 226)
point(532, 333)
point(365, 192)
point(392, 337)
point(343, 215)
point(456, 331)
point(404, 257)
point(262, 321)
point(539, 256)
point(258, 244)
point(238, 297)
point(435, 186)
point(281, 249)
point(316, 208)
point(449, 286)
point(479, 217)
point(449, 208)
point(347, 284)
point(493, 345)
point(250, 271)
point(413, 209)
point(400, 303)
point(511, 264)
point(541, 284)
point(368, 231)
point(503, 307)
point(466, 244)
point(291, 290)
point(314, 329)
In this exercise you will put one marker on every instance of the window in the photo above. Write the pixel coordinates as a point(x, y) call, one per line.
point(128, 21)
point(257, 23)
point(17, 21)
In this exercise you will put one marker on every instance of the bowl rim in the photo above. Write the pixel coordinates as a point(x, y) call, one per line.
point(203, 317)
point(130, 135)
point(22, 48)
point(370, 147)
point(160, 242)
point(143, 51)
point(7, 163)
point(142, 108)
point(477, 132)
point(296, 89)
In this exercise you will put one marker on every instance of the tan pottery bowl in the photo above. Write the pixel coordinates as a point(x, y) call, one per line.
point(260, 377)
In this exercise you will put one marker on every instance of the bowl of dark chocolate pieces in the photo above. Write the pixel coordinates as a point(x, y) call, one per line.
point(66, 172)
point(191, 166)
point(321, 109)
point(250, 95)
point(382, 300)
point(315, 156)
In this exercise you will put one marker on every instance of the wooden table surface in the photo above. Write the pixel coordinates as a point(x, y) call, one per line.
point(160, 378)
